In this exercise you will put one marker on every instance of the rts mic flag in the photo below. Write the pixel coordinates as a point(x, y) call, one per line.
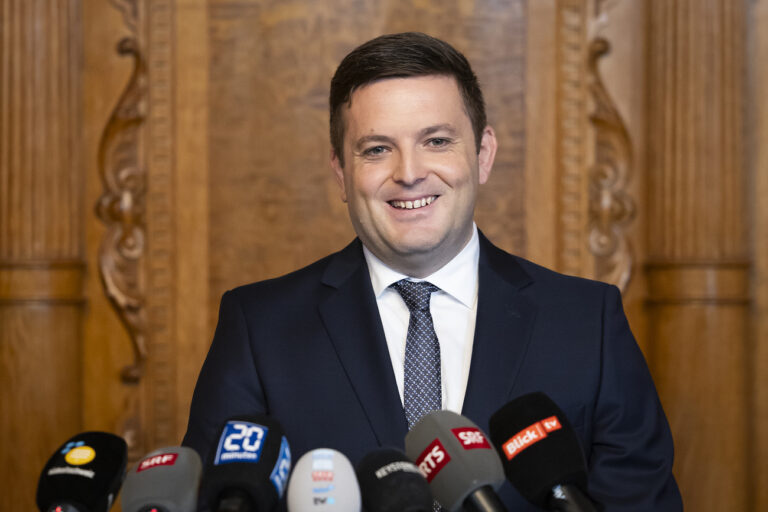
point(458, 461)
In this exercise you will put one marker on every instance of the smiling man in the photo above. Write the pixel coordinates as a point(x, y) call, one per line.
point(409, 169)
point(421, 312)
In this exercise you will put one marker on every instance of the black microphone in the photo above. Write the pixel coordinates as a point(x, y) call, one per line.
point(541, 454)
point(323, 480)
point(165, 480)
point(390, 482)
point(458, 461)
point(249, 469)
point(84, 474)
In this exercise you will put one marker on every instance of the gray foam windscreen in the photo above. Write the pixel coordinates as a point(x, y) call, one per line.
point(454, 455)
point(167, 478)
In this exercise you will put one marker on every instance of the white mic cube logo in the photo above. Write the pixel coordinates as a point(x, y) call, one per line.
point(241, 441)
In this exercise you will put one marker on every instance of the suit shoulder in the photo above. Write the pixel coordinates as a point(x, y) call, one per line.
point(293, 284)
point(556, 289)
point(535, 279)
point(549, 277)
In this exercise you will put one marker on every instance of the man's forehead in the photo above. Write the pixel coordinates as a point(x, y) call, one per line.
point(396, 100)
point(437, 77)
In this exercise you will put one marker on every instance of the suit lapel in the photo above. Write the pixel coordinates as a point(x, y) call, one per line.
point(502, 332)
point(352, 319)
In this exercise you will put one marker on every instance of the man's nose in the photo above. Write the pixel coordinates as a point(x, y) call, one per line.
point(409, 169)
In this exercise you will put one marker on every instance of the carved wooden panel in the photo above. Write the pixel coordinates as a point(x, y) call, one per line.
point(122, 255)
point(137, 255)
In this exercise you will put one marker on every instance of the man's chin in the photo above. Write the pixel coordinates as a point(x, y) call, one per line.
point(417, 247)
point(420, 254)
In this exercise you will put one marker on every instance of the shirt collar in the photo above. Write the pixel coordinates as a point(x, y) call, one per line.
point(458, 277)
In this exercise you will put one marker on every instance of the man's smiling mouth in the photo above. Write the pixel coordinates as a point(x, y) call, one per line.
point(412, 205)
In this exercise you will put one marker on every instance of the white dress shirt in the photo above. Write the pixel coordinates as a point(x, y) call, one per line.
point(453, 308)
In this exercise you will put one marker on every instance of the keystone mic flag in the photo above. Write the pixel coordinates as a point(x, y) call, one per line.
point(390, 482)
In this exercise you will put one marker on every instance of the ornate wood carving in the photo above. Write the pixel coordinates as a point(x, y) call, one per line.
point(137, 255)
point(122, 209)
point(130, 10)
point(571, 134)
point(611, 209)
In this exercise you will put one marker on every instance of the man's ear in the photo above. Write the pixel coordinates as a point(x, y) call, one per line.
point(338, 174)
point(487, 153)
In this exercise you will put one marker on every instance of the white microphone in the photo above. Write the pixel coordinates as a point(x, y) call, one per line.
point(323, 480)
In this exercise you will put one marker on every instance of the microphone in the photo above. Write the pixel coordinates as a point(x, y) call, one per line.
point(457, 460)
point(249, 469)
point(165, 480)
point(323, 479)
point(390, 482)
point(84, 474)
point(541, 454)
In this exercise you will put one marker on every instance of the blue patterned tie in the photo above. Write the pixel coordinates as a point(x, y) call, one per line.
point(422, 391)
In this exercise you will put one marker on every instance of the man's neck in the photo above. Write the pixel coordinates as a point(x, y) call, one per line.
point(422, 266)
point(383, 274)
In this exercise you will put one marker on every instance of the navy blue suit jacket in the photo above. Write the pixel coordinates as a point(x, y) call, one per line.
point(308, 349)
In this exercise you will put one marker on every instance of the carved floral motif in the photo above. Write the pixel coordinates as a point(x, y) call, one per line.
point(130, 10)
point(122, 253)
point(611, 209)
point(122, 208)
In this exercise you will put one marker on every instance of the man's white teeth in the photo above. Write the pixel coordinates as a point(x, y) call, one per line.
point(410, 205)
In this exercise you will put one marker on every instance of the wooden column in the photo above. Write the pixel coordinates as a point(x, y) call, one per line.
point(698, 275)
point(41, 242)
point(759, 191)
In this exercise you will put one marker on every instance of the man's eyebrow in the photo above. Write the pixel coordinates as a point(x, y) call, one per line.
point(430, 130)
point(367, 139)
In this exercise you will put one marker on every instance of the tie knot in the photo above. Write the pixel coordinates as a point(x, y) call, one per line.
point(416, 294)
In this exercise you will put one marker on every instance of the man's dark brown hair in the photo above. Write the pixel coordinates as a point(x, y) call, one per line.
point(409, 54)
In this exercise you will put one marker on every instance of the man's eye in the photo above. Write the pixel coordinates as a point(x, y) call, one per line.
point(438, 142)
point(375, 151)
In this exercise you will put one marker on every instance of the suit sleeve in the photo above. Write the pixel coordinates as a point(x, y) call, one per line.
point(630, 461)
point(228, 384)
